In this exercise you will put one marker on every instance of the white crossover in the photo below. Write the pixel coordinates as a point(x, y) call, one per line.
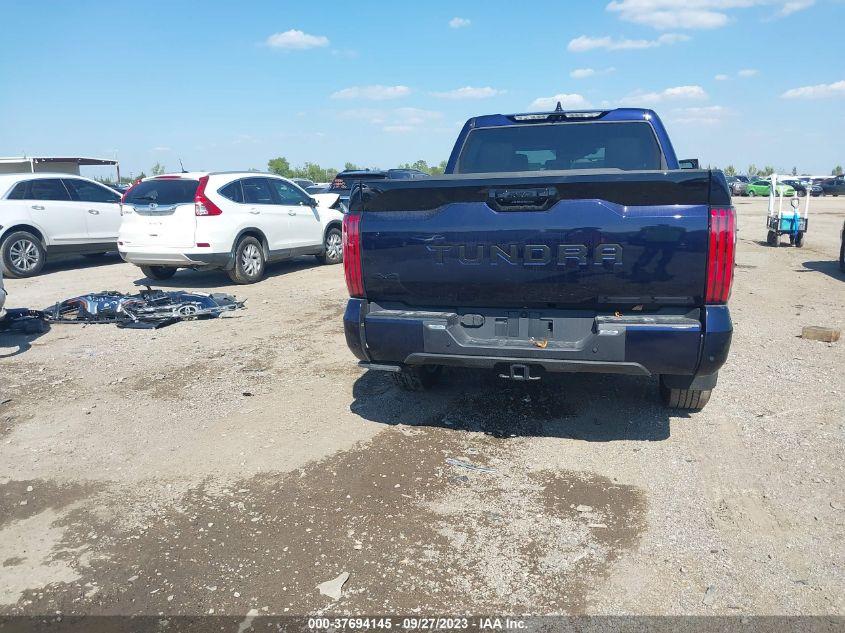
point(43, 214)
point(234, 221)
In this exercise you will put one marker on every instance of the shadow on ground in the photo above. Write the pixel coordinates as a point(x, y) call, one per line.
point(14, 343)
point(58, 263)
point(588, 407)
point(187, 278)
point(828, 267)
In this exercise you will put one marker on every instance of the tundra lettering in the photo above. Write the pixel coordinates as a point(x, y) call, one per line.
point(604, 255)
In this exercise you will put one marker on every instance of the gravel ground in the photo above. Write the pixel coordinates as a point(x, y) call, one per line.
point(231, 466)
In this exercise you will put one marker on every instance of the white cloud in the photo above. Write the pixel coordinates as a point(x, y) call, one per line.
point(459, 23)
point(700, 115)
point(393, 120)
point(416, 116)
point(296, 40)
point(745, 72)
point(572, 101)
point(795, 5)
point(468, 92)
point(695, 14)
point(583, 73)
point(648, 99)
point(372, 93)
point(819, 91)
point(586, 43)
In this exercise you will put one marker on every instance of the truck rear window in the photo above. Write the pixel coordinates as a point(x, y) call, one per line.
point(163, 192)
point(560, 146)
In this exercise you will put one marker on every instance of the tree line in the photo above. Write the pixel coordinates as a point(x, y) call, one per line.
point(317, 173)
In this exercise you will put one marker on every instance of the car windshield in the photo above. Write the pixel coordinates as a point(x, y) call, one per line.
point(164, 191)
point(560, 146)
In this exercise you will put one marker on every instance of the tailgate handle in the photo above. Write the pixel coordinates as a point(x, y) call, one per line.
point(533, 199)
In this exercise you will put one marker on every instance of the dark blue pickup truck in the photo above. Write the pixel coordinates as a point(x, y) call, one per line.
point(556, 242)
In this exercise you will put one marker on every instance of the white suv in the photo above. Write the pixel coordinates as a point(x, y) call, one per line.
point(43, 214)
point(235, 221)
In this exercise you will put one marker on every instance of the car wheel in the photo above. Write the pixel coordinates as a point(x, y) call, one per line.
point(23, 255)
point(772, 238)
point(249, 261)
point(417, 378)
point(751, 194)
point(159, 273)
point(332, 247)
point(687, 399)
point(801, 194)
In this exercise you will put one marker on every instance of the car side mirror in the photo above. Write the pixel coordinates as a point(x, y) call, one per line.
point(313, 202)
point(689, 163)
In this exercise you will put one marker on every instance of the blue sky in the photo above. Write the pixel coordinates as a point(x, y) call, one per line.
point(225, 85)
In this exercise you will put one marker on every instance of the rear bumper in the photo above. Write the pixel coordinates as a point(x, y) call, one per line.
point(693, 345)
point(176, 257)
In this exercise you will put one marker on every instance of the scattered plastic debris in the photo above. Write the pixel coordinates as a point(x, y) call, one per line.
point(583, 508)
point(709, 595)
point(148, 309)
point(462, 464)
point(334, 588)
point(541, 344)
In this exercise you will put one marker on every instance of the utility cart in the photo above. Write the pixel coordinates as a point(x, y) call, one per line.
point(790, 222)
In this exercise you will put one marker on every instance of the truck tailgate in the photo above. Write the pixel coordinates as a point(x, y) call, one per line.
point(552, 240)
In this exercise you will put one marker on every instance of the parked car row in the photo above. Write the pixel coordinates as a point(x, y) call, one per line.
point(234, 221)
point(759, 186)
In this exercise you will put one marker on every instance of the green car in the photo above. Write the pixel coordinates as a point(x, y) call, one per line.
point(760, 187)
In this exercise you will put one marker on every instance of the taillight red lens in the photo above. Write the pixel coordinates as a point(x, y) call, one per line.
point(202, 205)
point(126, 193)
point(352, 267)
point(720, 254)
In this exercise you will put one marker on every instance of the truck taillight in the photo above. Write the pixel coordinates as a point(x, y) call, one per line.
point(202, 205)
point(352, 255)
point(720, 254)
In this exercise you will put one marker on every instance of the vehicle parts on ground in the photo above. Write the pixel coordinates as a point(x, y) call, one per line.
point(148, 309)
point(23, 321)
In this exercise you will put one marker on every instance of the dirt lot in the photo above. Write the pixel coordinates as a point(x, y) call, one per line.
point(231, 465)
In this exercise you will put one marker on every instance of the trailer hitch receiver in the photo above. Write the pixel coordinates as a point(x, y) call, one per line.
point(519, 371)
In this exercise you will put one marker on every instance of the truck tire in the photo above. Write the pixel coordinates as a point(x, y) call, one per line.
point(249, 261)
point(687, 399)
point(332, 247)
point(417, 378)
point(159, 273)
point(22, 255)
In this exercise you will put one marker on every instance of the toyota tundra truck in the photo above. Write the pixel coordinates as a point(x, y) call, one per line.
point(555, 242)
